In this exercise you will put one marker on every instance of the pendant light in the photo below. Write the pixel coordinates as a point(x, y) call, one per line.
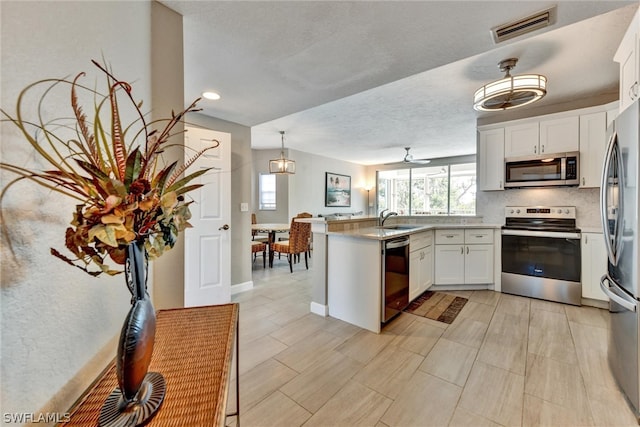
point(511, 91)
point(282, 165)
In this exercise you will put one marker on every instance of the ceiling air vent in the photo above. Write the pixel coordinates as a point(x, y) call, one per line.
point(524, 25)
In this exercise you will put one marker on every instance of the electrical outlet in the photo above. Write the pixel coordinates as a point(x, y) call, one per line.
point(244, 207)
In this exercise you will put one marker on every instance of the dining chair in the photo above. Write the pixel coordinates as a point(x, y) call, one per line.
point(298, 243)
point(254, 234)
point(256, 248)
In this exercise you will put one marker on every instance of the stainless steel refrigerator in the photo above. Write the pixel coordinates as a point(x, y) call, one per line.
point(619, 209)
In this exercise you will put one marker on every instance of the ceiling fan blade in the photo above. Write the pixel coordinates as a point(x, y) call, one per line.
point(420, 161)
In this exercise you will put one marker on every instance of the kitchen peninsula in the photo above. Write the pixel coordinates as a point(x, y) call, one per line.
point(348, 274)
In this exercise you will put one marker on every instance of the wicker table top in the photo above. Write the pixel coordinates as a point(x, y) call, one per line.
point(193, 350)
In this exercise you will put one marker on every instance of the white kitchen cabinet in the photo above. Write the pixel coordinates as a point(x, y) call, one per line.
point(593, 129)
point(449, 265)
point(559, 135)
point(464, 256)
point(546, 136)
point(478, 264)
point(521, 139)
point(628, 56)
point(491, 159)
point(594, 265)
point(420, 263)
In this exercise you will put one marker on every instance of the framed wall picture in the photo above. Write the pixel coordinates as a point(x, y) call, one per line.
point(337, 190)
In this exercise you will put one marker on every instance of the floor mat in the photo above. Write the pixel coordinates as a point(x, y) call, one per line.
point(438, 306)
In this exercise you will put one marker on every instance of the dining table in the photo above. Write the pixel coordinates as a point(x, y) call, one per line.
point(271, 229)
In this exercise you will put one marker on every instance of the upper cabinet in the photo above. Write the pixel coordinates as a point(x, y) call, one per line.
point(593, 129)
point(581, 130)
point(559, 135)
point(521, 139)
point(491, 159)
point(548, 136)
point(628, 56)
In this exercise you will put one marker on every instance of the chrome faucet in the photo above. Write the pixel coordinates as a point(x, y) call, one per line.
point(383, 216)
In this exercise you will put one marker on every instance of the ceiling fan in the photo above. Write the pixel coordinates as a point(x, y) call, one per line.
point(408, 158)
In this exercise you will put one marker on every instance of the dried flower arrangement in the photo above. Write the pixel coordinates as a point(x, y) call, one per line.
point(125, 192)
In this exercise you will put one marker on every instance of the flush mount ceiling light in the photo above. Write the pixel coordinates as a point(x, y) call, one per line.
point(282, 165)
point(511, 91)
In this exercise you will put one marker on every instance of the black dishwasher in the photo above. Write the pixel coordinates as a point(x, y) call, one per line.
point(395, 277)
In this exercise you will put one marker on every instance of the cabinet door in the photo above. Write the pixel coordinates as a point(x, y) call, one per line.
point(449, 265)
point(478, 264)
point(594, 265)
point(592, 146)
point(491, 159)
point(521, 140)
point(427, 268)
point(415, 274)
point(627, 57)
point(559, 135)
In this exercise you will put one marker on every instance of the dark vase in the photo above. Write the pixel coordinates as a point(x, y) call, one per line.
point(139, 393)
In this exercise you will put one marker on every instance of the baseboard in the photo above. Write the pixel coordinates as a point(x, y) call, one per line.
point(319, 309)
point(241, 287)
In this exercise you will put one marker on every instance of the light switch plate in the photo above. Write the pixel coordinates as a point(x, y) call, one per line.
point(244, 207)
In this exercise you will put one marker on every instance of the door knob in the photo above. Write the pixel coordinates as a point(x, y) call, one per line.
point(224, 227)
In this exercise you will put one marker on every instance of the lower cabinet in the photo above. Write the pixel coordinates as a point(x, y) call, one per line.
point(420, 264)
point(464, 257)
point(594, 265)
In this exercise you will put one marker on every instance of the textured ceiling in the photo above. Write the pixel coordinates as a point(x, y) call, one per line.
point(360, 80)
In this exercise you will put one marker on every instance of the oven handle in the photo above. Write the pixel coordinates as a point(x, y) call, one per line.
point(629, 305)
point(531, 233)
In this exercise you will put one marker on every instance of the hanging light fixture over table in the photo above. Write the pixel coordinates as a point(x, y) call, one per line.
point(511, 91)
point(282, 165)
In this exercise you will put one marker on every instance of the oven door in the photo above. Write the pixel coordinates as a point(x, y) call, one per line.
point(552, 255)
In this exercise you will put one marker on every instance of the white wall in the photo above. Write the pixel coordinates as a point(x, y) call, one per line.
point(307, 187)
point(58, 323)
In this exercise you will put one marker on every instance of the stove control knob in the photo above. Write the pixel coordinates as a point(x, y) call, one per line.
point(511, 211)
point(566, 211)
point(517, 210)
point(559, 211)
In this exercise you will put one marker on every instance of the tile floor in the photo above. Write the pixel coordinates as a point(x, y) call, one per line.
point(505, 361)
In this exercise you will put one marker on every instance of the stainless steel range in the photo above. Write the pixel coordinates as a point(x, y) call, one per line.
point(541, 253)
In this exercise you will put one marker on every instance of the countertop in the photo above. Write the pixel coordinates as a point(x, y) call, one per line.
point(386, 232)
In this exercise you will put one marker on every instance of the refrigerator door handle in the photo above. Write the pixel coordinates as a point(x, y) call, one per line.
point(604, 196)
point(605, 281)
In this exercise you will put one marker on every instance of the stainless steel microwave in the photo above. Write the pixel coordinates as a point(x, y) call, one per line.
point(547, 170)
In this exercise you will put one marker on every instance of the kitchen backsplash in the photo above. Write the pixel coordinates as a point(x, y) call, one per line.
point(490, 204)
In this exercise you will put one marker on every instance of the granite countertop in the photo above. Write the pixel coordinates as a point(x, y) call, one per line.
point(387, 232)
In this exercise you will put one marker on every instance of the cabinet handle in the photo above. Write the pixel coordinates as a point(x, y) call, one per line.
point(461, 250)
point(586, 239)
point(583, 180)
point(542, 149)
point(535, 149)
point(500, 184)
point(467, 250)
point(450, 236)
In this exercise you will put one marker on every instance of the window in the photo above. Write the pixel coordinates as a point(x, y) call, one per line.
point(267, 192)
point(448, 189)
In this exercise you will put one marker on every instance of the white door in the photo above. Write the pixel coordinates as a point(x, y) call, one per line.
point(207, 245)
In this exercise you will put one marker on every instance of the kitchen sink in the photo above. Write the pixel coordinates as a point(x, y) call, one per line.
point(400, 227)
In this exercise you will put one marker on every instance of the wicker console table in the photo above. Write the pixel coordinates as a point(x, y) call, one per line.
point(193, 351)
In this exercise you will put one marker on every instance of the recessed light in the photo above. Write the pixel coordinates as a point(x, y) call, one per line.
point(211, 95)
